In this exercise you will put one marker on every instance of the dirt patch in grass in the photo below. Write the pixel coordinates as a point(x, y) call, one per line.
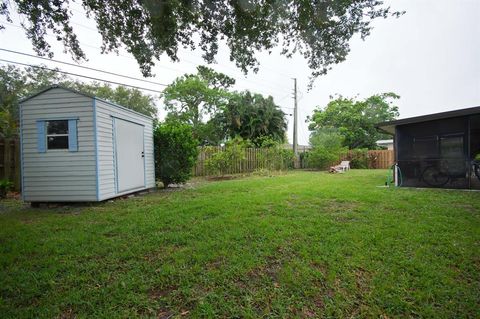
point(67, 314)
point(362, 280)
point(222, 178)
point(162, 254)
point(269, 269)
point(467, 207)
point(161, 292)
point(338, 206)
point(216, 264)
point(329, 206)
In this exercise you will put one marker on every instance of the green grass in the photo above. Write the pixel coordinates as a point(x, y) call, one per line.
point(303, 244)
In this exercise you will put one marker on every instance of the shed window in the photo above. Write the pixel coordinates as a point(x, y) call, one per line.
point(57, 135)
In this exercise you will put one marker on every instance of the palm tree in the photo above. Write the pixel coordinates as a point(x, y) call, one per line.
point(252, 116)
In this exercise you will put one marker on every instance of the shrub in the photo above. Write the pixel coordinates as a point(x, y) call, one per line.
point(222, 162)
point(358, 158)
point(326, 148)
point(5, 187)
point(276, 157)
point(175, 152)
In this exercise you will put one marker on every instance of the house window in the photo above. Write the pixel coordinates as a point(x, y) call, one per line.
point(57, 135)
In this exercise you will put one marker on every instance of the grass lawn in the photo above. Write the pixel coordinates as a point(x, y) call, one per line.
point(303, 244)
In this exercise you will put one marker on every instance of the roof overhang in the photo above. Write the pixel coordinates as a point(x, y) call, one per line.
point(389, 127)
point(57, 86)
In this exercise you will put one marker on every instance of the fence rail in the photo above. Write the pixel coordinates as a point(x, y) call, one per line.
point(260, 158)
point(251, 160)
point(10, 161)
point(375, 159)
point(381, 159)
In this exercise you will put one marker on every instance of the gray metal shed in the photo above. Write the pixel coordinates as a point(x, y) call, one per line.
point(79, 148)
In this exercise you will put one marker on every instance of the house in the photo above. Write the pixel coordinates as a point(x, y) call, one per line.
point(438, 150)
point(388, 144)
point(300, 148)
point(79, 148)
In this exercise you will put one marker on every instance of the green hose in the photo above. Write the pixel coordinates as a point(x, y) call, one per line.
point(391, 174)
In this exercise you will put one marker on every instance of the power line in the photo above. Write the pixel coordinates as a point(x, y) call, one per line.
point(99, 49)
point(82, 66)
point(274, 88)
point(79, 75)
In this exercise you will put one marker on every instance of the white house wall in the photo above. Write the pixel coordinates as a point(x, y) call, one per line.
point(58, 175)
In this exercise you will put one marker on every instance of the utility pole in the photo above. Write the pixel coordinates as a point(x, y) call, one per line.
point(295, 133)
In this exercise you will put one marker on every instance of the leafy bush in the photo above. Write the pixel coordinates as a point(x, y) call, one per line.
point(358, 158)
point(326, 148)
point(222, 162)
point(275, 156)
point(175, 152)
point(5, 187)
point(270, 156)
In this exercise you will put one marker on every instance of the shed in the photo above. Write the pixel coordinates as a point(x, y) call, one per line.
point(438, 150)
point(79, 148)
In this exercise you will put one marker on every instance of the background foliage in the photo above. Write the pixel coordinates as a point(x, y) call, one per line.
point(254, 117)
point(17, 83)
point(205, 102)
point(356, 120)
point(327, 145)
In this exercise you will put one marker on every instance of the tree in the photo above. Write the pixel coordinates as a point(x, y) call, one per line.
point(129, 97)
point(326, 148)
point(17, 83)
point(356, 120)
point(318, 30)
point(253, 117)
point(192, 98)
point(175, 152)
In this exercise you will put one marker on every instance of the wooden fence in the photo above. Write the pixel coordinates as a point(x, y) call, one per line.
point(260, 158)
point(10, 161)
point(373, 159)
point(381, 159)
point(251, 160)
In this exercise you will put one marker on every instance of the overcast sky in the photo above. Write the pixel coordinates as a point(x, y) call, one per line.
point(430, 57)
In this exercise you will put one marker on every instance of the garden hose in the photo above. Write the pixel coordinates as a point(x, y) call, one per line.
point(391, 174)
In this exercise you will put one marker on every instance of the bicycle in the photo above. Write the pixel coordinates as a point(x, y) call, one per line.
point(438, 172)
point(435, 176)
point(476, 168)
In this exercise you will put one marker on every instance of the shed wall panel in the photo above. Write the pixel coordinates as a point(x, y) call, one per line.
point(58, 175)
point(105, 112)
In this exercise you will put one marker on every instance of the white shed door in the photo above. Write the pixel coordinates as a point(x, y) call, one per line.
point(129, 155)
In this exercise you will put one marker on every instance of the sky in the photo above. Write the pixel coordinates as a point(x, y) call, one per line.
point(430, 56)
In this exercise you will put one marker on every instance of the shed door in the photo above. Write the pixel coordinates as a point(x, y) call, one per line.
point(130, 164)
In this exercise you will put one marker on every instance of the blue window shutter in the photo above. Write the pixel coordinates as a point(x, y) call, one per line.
point(41, 137)
point(72, 136)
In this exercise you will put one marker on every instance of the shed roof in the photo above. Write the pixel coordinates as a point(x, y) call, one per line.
point(55, 86)
point(389, 127)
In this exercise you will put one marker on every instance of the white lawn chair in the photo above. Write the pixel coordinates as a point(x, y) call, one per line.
point(342, 167)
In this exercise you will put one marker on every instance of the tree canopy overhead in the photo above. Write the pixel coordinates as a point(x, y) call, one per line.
point(318, 30)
